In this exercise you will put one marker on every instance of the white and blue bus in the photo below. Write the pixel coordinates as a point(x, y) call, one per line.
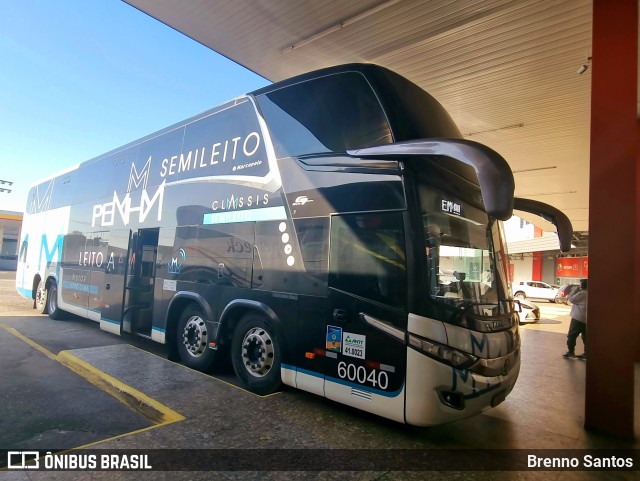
point(333, 232)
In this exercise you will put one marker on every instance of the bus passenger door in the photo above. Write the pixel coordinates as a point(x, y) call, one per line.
point(137, 312)
point(313, 315)
point(117, 266)
point(129, 282)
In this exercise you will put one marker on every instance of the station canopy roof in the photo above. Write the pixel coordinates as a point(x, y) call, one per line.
point(507, 71)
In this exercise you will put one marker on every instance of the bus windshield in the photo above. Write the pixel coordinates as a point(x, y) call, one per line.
point(464, 251)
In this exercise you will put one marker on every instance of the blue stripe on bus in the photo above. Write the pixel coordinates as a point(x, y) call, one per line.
point(80, 287)
point(252, 215)
point(116, 322)
point(310, 373)
point(24, 292)
point(365, 388)
point(109, 320)
point(344, 382)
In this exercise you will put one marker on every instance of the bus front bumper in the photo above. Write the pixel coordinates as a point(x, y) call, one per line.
point(437, 393)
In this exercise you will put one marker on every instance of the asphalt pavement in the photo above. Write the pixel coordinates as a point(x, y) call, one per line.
point(43, 404)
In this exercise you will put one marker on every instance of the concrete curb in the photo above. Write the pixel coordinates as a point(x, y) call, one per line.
point(151, 409)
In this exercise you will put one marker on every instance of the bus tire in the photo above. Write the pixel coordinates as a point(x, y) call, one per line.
point(192, 339)
point(40, 301)
point(255, 354)
point(53, 309)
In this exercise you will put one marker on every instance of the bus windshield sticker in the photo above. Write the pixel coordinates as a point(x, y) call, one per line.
point(169, 285)
point(334, 338)
point(354, 345)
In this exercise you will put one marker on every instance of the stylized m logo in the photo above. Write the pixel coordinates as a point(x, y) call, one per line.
point(49, 253)
point(137, 179)
point(41, 200)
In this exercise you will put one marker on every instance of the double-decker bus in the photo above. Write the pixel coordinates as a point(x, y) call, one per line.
point(333, 232)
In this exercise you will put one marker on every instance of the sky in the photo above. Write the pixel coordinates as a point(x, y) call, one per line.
point(80, 78)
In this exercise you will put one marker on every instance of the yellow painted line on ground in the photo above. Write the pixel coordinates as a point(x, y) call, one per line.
point(33, 344)
point(154, 411)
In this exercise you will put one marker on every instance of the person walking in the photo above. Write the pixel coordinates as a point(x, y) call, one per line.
point(578, 326)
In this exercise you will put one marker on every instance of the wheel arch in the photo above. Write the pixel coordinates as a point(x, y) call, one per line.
point(177, 305)
point(36, 282)
point(236, 309)
point(34, 286)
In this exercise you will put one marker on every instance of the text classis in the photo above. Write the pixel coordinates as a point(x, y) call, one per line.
point(239, 201)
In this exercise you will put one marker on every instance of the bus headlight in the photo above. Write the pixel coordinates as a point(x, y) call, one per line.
point(442, 353)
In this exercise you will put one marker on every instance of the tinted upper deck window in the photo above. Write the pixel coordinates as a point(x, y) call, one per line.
point(327, 114)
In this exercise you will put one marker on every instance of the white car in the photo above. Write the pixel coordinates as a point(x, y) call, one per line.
point(534, 289)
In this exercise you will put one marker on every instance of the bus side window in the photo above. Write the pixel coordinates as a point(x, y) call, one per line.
point(328, 114)
point(368, 257)
point(226, 254)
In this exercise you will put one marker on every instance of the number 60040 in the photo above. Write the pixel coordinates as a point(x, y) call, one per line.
point(359, 374)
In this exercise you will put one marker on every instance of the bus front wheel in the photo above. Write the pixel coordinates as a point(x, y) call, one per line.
point(193, 339)
point(40, 302)
point(255, 354)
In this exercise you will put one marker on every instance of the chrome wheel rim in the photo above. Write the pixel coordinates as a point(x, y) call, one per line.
point(258, 353)
point(194, 336)
point(41, 296)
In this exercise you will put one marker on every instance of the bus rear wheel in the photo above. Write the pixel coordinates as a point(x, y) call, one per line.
point(53, 309)
point(255, 354)
point(193, 339)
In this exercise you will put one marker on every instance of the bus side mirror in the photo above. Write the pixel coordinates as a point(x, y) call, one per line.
point(550, 214)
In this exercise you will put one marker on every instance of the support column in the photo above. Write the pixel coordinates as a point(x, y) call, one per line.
point(637, 267)
point(613, 214)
